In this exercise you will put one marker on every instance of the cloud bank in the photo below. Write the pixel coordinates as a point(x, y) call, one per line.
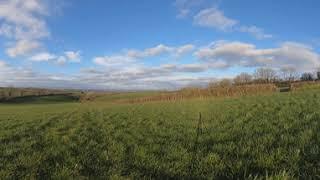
point(130, 70)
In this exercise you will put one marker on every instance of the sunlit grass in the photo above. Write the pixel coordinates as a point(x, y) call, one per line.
point(271, 136)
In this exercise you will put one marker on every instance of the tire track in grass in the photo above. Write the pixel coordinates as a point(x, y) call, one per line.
point(89, 146)
point(56, 162)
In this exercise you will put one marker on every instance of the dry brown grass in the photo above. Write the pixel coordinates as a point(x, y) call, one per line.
point(231, 91)
point(89, 96)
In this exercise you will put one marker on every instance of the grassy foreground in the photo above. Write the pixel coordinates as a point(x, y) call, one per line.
point(275, 136)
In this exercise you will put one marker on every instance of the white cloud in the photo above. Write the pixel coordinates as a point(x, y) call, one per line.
point(184, 7)
point(111, 61)
point(255, 31)
point(23, 21)
point(43, 57)
point(183, 13)
point(28, 21)
point(68, 56)
point(214, 18)
point(61, 60)
point(288, 54)
point(224, 50)
point(209, 15)
point(127, 70)
point(6, 30)
point(194, 68)
point(131, 56)
point(184, 49)
point(73, 56)
point(154, 51)
point(2, 64)
point(23, 47)
point(10, 75)
point(187, 7)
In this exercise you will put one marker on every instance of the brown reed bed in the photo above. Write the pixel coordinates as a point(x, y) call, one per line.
point(188, 93)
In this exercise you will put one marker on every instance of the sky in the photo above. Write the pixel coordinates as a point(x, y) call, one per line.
point(152, 44)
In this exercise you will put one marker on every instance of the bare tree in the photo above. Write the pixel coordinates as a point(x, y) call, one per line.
point(225, 83)
point(2, 94)
point(289, 73)
point(242, 78)
point(318, 73)
point(265, 75)
point(213, 84)
point(306, 77)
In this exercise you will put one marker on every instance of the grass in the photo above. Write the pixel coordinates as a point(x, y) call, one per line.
point(113, 97)
point(267, 136)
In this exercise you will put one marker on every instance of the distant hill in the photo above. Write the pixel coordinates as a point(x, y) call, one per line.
point(10, 94)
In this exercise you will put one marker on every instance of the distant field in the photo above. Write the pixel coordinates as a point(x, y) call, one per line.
point(273, 136)
point(116, 97)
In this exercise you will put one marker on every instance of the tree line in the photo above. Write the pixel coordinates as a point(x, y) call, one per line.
point(268, 75)
point(12, 92)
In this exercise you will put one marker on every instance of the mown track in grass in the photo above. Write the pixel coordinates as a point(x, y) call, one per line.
point(250, 137)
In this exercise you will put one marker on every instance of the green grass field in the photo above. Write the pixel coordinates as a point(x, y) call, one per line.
point(125, 96)
point(273, 136)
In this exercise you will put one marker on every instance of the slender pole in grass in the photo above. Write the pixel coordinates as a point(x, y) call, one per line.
point(200, 125)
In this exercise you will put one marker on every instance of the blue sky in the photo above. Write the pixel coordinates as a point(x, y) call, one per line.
point(151, 44)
